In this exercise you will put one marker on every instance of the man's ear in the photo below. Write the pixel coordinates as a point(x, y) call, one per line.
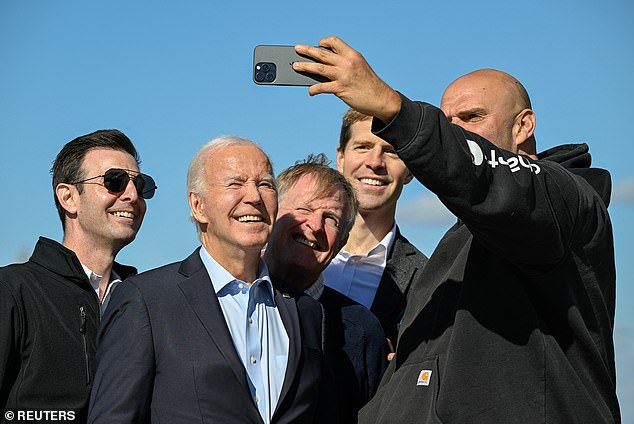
point(340, 159)
point(68, 197)
point(341, 243)
point(524, 127)
point(408, 178)
point(197, 207)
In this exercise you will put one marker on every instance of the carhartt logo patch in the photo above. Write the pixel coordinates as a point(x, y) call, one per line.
point(423, 378)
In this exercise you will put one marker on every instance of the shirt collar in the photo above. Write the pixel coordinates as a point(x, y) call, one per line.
point(379, 252)
point(388, 241)
point(95, 279)
point(316, 289)
point(220, 277)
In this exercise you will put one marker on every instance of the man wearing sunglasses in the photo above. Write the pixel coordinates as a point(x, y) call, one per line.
point(50, 307)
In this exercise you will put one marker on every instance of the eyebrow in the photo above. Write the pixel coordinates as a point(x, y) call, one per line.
point(240, 178)
point(360, 141)
point(471, 111)
point(331, 212)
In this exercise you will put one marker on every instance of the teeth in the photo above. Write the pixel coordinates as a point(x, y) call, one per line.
point(250, 218)
point(124, 214)
point(306, 242)
point(371, 181)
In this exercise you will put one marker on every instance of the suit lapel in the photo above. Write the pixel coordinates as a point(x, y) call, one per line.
point(400, 268)
point(288, 312)
point(199, 292)
point(402, 263)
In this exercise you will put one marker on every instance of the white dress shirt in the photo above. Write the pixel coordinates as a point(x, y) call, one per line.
point(95, 279)
point(358, 276)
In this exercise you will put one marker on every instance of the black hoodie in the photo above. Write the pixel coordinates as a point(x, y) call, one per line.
point(511, 320)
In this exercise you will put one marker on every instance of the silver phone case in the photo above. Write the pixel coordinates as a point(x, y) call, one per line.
point(283, 57)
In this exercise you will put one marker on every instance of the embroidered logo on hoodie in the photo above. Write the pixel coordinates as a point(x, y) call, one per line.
point(423, 378)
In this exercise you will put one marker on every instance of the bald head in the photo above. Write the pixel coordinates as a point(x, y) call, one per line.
point(514, 88)
point(494, 105)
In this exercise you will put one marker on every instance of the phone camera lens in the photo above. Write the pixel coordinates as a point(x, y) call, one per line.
point(265, 72)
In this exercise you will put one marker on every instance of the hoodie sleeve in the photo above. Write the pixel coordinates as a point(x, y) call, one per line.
point(521, 209)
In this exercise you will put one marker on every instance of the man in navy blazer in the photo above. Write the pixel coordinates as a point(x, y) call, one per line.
point(211, 339)
point(317, 208)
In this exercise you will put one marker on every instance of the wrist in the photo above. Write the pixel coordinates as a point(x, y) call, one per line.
point(390, 107)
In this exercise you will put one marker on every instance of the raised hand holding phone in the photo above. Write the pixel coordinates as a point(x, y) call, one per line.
point(350, 78)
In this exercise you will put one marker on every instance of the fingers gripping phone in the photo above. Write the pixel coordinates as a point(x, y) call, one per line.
point(273, 65)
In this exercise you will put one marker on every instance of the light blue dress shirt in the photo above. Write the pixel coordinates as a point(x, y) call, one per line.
point(257, 331)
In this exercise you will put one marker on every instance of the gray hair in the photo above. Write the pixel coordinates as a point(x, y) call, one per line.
point(196, 172)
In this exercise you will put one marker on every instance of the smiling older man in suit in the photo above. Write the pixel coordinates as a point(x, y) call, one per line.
point(211, 339)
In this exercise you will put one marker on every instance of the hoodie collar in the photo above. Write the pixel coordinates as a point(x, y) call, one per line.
point(576, 159)
point(62, 261)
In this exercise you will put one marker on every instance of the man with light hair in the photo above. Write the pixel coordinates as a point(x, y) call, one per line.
point(211, 338)
point(317, 208)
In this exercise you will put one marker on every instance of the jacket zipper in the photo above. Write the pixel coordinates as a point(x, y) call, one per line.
point(82, 330)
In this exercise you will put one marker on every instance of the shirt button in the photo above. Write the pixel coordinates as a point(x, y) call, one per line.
point(240, 286)
point(252, 359)
point(250, 320)
point(256, 399)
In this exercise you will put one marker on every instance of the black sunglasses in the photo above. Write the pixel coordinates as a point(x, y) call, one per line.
point(116, 180)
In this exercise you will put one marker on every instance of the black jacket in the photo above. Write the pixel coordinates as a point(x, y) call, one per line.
point(49, 316)
point(511, 319)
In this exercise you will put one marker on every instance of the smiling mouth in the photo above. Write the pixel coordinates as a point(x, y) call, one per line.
point(250, 218)
point(306, 242)
point(372, 182)
point(122, 214)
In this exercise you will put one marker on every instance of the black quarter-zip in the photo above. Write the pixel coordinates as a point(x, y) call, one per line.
point(82, 330)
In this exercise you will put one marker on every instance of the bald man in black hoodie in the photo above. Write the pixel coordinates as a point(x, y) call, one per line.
point(511, 319)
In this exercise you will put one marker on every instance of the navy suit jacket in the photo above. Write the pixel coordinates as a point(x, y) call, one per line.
point(165, 354)
point(356, 354)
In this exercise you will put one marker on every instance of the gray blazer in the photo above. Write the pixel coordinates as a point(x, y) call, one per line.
point(404, 262)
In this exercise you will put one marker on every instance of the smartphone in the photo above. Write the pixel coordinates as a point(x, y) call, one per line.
point(273, 65)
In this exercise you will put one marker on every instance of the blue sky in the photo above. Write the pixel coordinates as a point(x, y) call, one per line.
point(173, 75)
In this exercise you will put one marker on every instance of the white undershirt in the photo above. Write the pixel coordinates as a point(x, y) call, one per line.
point(95, 279)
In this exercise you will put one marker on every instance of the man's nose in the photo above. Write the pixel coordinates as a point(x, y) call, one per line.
point(315, 222)
point(375, 158)
point(130, 193)
point(252, 193)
